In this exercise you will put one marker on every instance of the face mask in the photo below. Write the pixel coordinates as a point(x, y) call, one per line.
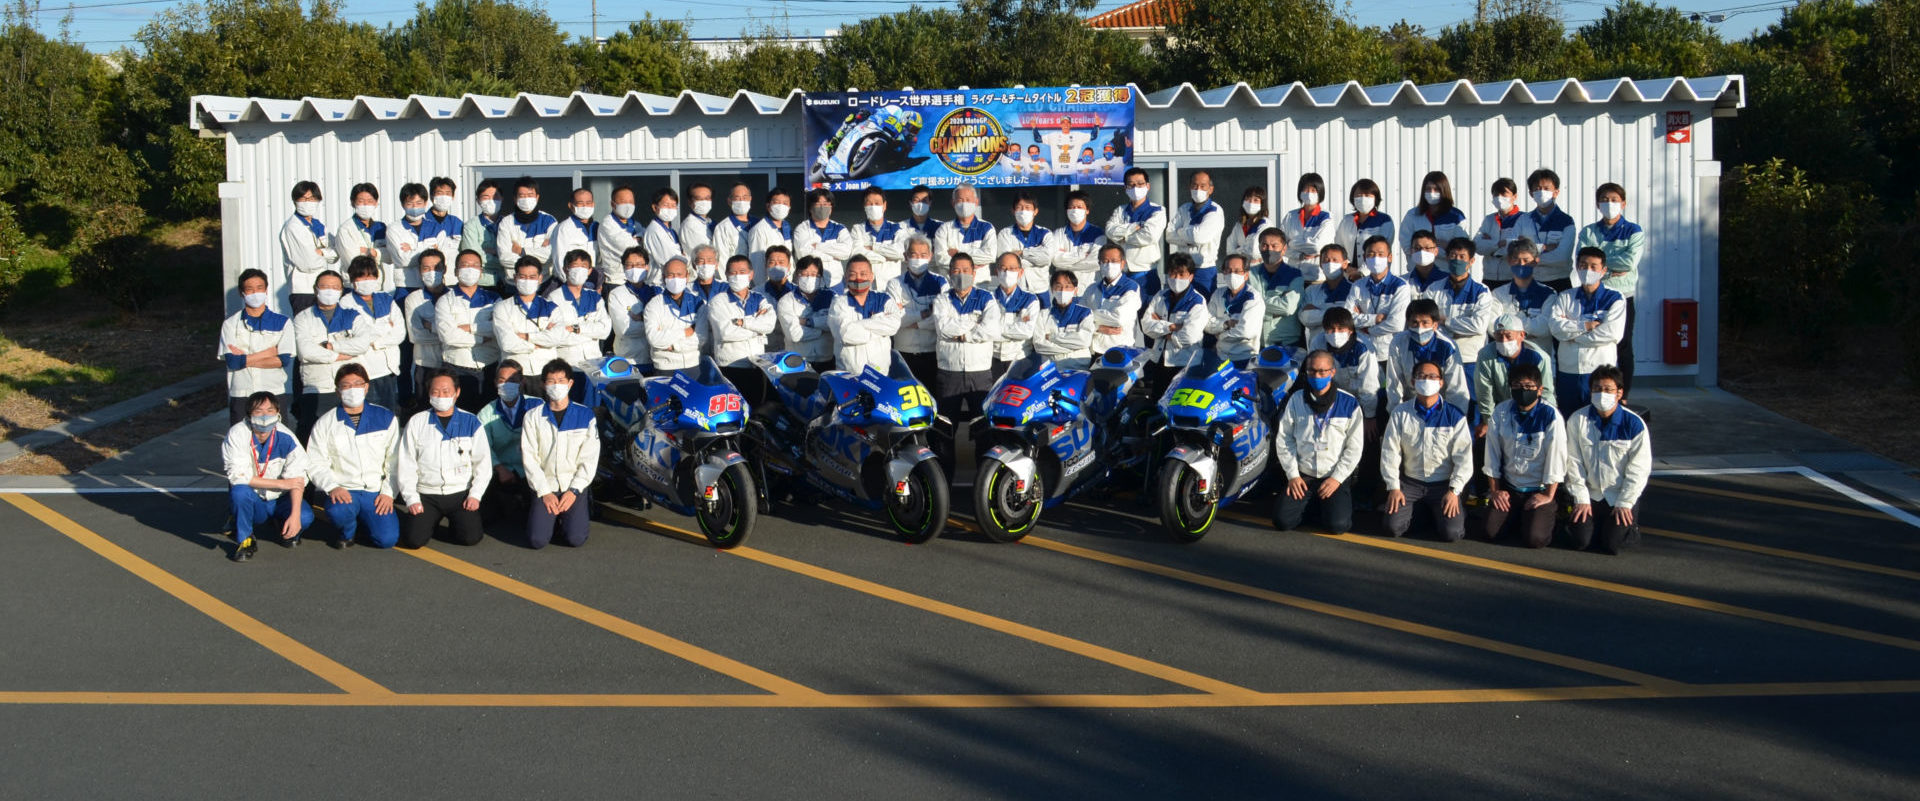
point(706, 270)
point(876, 213)
point(1522, 271)
point(1309, 272)
point(1309, 198)
point(1062, 297)
point(526, 204)
point(263, 422)
point(1023, 216)
point(365, 287)
point(778, 211)
point(961, 281)
point(366, 212)
point(1339, 339)
point(1611, 210)
point(701, 207)
point(676, 284)
point(577, 276)
point(1251, 207)
point(739, 207)
point(1319, 383)
point(965, 211)
point(490, 206)
point(739, 282)
point(1508, 349)
point(625, 211)
point(327, 297)
point(310, 208)
point(467, 276)
point(1378, 265)
point(442, 203)
point(636, 275)
point(1113, 269)
point(582, 213)
point(859, 286)
point(1136, 193)
point(353, 398)
point(1542, 197)
point(1423, 258)
point(1076, 216)
point(441, 403)
point(509, 390)
point(1605, 401)
point(1433, 198)
point(415, 212)
point(1459, 267)
point(917, 265)
point(922, 209)
point(1363, 204)
point(1523, 398)
point(1590, 277)
point(1199, 196)
point(1422, 335)
point(1236, 280)
point(1502, 202)
point(1010, 279)
point(254, 300)
point(430, 278)
point(1427, 387)
point(808, 283)
point(775, 273)
point(1179, 285)
point(526, 286)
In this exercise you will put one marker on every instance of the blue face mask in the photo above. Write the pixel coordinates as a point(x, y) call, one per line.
point(1523, 271)
point(1319, 383)
point(1459, 267)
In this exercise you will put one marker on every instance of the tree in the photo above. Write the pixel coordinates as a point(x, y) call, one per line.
point(1265, 43)
point(1413, 55)
point(917, 47)
point(456, 46)
point(654, 56)
point(768, 63)
point(1514, 39)
point(1637, 39)
point(1046, 43)
point(54, 166)
point(1804, 95)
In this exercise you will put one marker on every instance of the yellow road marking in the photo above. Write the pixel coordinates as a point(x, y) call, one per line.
point(964, 615)
point(1008, 701)
point(1358, 616)
point(248, 626)
point(1748, 496)
point(621, 626)
point(1783, 553)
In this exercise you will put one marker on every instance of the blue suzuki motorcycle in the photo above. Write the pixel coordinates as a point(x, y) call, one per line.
point(1220, 438)
point(858, 437)
point(674, 441)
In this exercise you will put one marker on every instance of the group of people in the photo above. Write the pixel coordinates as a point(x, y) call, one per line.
point(1430, 348)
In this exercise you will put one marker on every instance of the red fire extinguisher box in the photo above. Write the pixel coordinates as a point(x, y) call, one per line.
point(1680, 331)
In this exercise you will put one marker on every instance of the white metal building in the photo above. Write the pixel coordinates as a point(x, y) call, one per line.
point(1655, 137)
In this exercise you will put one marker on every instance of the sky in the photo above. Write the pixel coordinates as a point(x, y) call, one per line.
point(107, 25)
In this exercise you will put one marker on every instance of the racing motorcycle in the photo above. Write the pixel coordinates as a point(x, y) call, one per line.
point(868, 143)
point(674, 441)
point(858, 437)
point(1221, 436)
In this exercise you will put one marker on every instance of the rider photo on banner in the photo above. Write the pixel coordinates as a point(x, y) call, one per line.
point(990, 138)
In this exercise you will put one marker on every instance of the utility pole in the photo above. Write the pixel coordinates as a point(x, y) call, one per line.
point(596, 24)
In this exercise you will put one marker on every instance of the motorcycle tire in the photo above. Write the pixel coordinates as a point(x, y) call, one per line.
point(923, 514)
point(1003, 518)
point(1181, 511)
point(734, 508)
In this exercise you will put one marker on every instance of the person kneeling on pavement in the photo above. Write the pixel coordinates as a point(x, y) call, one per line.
point(266, 477)
point(445, 466)
point(1526, 459)
point(1608, 461)
point(560, 451)
point(1318, 445)
point(352, 455)
point(1426, 458)
point(507, 495)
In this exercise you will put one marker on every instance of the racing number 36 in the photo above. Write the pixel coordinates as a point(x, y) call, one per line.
point(1191, 397)
point(914, 397)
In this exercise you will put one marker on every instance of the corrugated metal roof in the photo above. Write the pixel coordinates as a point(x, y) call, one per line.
point(1143, 14)
point(1724, 91)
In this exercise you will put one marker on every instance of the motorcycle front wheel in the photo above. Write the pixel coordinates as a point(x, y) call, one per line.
point(727, 520)
point(922, 515)
point(1183, 509)
point(1004, 515)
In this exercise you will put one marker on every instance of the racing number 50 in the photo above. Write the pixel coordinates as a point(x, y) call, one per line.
point(914, 397)
point(1187, 396)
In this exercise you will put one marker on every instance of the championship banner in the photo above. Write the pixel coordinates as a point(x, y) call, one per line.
point(987, 137)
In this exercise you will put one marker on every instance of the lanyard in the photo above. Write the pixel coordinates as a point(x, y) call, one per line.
point(259, 464)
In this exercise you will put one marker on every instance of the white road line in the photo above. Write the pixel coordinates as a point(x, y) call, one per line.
point(1810, 474)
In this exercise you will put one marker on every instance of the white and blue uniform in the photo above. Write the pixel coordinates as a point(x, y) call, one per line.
point(1497, 231)
point(1234, 320)
point(1581, 349)
point(1532, 305)
point(1356, 229)
point(1140, 232)
point(1550, 229)
point(916, 294)
point(974, 239)
point(863, 331)
point(1445, 226)
point(532, 235)
point(251, 335)
point(1066, 335)
point(1019, 322)
point(1307, 232)
point(667, 321)
point(1196, 231)
point(832, 244)
point(246, 458)
point(1380, 310)
point(1405, 353)
point(1115, 304)
point(362, 458)
point(736, 342)
point(1355, 369)
point(569, 235)
point(1078, 251)
point(1036, 258)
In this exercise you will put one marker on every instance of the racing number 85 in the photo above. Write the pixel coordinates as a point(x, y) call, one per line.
point(914, 397)
point(1187, 396)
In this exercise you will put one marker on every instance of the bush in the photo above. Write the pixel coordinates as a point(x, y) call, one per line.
point(1786, 248)
point(111, 253)
point(13, 245)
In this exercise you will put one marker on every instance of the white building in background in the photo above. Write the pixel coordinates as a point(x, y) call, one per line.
point(1655, 137)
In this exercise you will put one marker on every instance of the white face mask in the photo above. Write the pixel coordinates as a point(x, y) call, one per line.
point(327, 297)
point(1199, 195)
point(1433, 198)
point(1509, 348)
point(1502, 202)
point(1611, 210)
point(558, 391)
point(577, 276)
point(526, 286)
point(676, 284)
point(636, 275)
point(1010, 279)
point(917, 265)
point(1422, 335)
point(490, 206)
point(701, 207)
point(441, 403)
point(922, 209)
point(666, 214)
point(353, 398)
point(739, 207)
point(1423, 258)
point(965, 211)
point(1179, 285)
point(263, 422)
point(1076, 216)
point(467, 276)
point(366, 286)
point(876, 213)
point(1023, 216)
point(706, 270)
point(1309, 198)
point(443, 203)
point(310, 208)
point(778, 211)
point(366, 212)
point(1605, 401)
point(1235, 281)
point(1113, 269)
point(740, 282)
point(526, 204)
point(1251, 207)
point(254, 300)
point(1591, 277)
point(1427, 387)
point(415, 212)
point(509, 390)
point(1378, 265)
point(1136, 193)
point(1363, 204)
point(625, 210)
point(583, 213)
point(808, 283)
point(1542, 197)
point(1062, 297)
point(430, 278)
point(1339, 339)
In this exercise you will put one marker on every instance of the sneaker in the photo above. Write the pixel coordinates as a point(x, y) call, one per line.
point(340, 543)
point(245, 550)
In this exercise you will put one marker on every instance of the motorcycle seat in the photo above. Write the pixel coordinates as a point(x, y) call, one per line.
point(801, 384)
